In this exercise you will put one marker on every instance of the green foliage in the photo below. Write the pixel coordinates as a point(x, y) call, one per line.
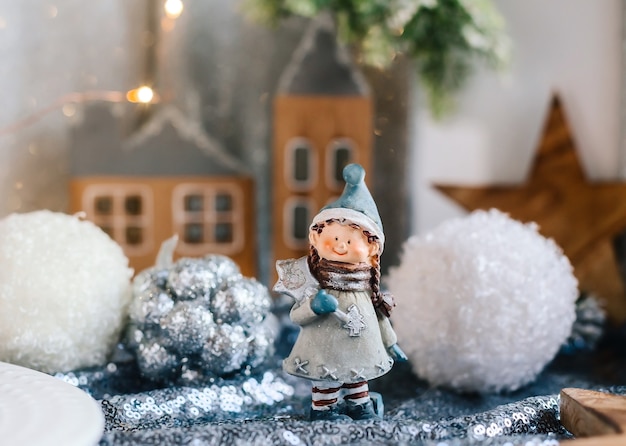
point(443, 37)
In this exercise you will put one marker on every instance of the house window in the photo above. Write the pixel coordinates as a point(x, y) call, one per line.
point(194, 233)
point(224, 232)
point(300, 165)
point(103, 205)
point(194, 203)
point(209, 218)
point(132, 204)
point(341, 152)
point(134, 235)
point(223, 202)
point(124, 212)
point(297, 215)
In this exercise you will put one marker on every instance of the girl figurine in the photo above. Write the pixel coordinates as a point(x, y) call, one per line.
point(345, 338)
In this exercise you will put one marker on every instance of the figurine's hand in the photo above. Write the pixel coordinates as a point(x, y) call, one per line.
point(323, 303)
point(396, 353)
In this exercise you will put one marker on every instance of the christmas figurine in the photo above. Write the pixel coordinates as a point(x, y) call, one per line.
point(346, 338)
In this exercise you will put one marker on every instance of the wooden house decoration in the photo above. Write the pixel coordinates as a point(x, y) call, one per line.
point(168, 178)
point(323, 120)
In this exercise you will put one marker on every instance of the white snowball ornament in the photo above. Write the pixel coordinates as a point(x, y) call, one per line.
point(64, 289)
point(486, 302)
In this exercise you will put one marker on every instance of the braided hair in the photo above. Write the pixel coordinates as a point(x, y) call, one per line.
point(382, 301)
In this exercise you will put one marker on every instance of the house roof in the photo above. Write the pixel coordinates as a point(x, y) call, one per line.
point(321, 66)
point(169, 144)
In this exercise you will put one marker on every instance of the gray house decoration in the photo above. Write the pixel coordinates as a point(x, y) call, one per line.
point(323, 120)
point(168, 178)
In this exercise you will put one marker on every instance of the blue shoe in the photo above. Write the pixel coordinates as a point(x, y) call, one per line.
point(361, 411)
point(331, 414)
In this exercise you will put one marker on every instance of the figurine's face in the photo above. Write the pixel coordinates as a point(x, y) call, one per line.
point(342, 243)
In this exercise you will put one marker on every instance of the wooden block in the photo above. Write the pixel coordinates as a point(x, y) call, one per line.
point(606, 440)
point(587, 413)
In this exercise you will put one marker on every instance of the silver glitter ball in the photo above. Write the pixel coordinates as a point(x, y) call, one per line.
point(186, 327)
point(261, 341)
point(150, 278)
point(225, 350)
point(134, 336)
point(588, 328)
point(224, 267)
point(192, 279)
point(245, 302)
point(156, 362)
point(149, 306)
point(198, 319)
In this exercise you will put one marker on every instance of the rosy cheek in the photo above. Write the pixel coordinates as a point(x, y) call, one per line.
point(357, 251)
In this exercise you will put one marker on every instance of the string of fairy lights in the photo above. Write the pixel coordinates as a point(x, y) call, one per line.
point(144, 93)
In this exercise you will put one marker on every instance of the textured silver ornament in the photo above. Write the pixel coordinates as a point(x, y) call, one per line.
point(588, 328)
point(191, 279)
point(150, 278)
point(156, 362)
point(223, 267)
point(196, 319)
point(261, 341)
point(186, 328)
point(226, 350)
point(134, 336)
point(245, 302)
point(150, 305)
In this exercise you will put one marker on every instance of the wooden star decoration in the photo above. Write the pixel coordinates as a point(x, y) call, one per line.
point(582, 217)
point(597, 415)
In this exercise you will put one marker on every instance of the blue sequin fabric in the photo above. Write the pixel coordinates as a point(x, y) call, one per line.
point(270, 407)
point(265, 406)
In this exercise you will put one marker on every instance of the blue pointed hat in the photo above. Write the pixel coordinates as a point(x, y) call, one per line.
point(355, 205)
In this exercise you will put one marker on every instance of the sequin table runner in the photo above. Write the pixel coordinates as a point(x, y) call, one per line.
point(269, 407)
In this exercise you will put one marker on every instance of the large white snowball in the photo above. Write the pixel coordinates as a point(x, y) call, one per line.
point(64, 289)
point(484, 302)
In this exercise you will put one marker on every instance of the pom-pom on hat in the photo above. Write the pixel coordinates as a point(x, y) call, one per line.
point(355, 205)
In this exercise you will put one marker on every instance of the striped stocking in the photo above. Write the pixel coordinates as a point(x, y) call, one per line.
point(356, 393)
point(324, 395)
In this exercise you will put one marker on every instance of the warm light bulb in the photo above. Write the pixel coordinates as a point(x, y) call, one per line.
point(69, 110)
point(173, 8)
point(143, 94)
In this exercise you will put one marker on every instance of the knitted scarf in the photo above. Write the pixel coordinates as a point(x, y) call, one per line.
point(342, 276)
